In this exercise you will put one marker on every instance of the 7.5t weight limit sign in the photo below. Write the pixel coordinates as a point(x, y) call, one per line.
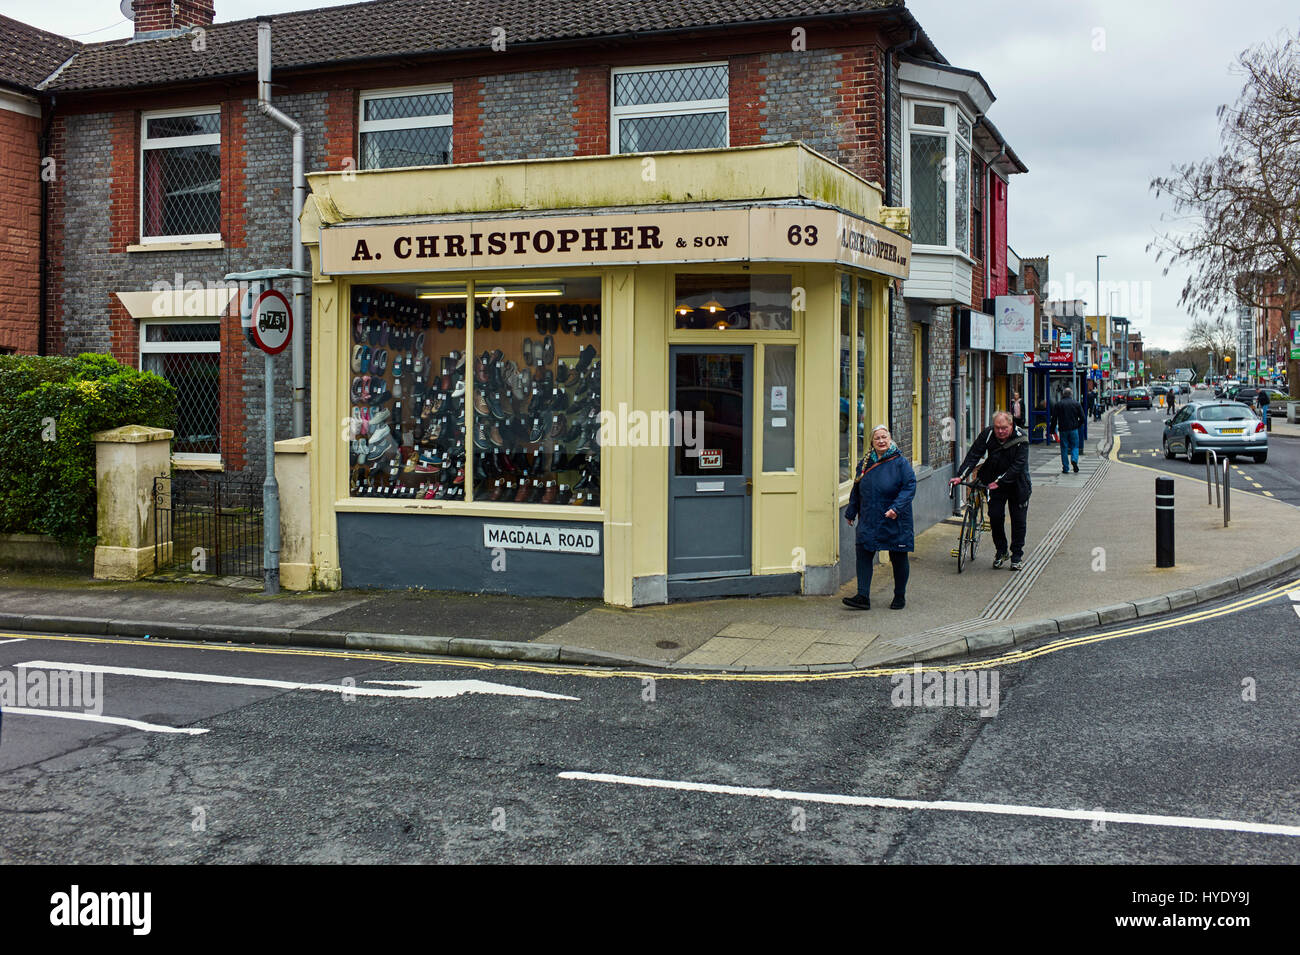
point(270, 322)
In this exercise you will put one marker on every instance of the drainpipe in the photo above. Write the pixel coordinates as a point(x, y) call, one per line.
point(299, 196)
point(889, 195)
point(43, 312)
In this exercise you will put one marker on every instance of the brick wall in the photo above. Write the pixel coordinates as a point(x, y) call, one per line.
point(591, 111)
point(55, 213)
point(95, 216)
point(467, 120)
point(341, 130)
point(520, 110)
point(20, 226)
point(941, 372)
point(745, 105)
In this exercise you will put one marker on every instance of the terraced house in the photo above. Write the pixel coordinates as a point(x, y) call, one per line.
point(603, 297)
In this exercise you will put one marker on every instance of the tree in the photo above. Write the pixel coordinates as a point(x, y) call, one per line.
point(1239, 211)
point(1213, 337)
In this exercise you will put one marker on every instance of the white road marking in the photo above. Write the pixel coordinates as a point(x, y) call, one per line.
point(14, 640)
point(1295, 600)
point(99, 718)
point(1001, 809)
point(412, 689)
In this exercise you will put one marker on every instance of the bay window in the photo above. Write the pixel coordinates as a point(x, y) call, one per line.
point(937, 172)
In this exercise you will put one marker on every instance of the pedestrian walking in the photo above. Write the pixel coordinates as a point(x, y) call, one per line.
point(1067, 421)
point(1004, 449)
point(1017, 410)
point(881, 503)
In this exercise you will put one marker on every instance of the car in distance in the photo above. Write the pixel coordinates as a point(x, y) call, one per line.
point(1138, 398)
point(1225, 427)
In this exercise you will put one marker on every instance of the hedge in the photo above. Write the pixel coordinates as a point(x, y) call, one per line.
point(49, 408)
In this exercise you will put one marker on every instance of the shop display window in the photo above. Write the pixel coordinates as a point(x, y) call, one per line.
point(740, 301)
point(407, 360)
point(536, 393)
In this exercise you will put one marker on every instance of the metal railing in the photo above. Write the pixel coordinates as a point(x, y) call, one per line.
point(1221, 495)
point(207, 525)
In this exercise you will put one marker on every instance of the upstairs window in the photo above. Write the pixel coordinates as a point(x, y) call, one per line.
point(937, 166)
point(180, 185)
point(661, 108)
point(410, 127)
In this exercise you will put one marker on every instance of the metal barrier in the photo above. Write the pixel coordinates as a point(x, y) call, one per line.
point(1227, 491)
point(1212, 477)
point(214, 524)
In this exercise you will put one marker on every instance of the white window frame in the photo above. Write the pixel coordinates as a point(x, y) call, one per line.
point(407, 122)
point(677, 108)
point(178, 348)
point(952, 139)
point(174, 142)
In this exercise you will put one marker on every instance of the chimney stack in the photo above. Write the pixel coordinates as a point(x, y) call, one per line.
point(165, 17)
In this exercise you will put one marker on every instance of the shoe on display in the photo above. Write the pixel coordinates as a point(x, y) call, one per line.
point(548, 349)
point(528, 351)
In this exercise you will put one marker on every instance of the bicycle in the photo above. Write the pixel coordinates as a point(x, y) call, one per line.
point(972, 522)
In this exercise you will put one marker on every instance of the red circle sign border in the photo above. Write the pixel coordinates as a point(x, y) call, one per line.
point(257, 338)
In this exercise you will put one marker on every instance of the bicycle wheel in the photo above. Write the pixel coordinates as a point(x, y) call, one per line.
point(977, 530)
point(967, 529)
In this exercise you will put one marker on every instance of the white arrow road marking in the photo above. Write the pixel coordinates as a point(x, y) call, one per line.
point(1295, 600)
point(411, 689)
point(1001, 809)
point(98, 718)
point(14, 640)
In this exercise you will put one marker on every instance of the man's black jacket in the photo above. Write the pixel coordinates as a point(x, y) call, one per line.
point(1007, 464)
point(1067, 415)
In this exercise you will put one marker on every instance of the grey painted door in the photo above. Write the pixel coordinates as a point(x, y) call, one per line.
point(710, 484)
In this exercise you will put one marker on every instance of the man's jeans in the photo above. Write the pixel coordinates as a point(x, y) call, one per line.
point(1069, 448)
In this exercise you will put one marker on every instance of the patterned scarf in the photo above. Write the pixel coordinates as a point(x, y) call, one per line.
point(873, 457)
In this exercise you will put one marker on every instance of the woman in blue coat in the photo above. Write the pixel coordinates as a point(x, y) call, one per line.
point(882, 498)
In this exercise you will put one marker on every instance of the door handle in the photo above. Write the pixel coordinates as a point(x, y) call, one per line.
point(749, 488)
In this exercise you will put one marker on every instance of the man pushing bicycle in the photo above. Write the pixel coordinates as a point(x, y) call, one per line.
point(1006, 471)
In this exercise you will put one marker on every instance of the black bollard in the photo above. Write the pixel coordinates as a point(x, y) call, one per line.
point(1164, 522)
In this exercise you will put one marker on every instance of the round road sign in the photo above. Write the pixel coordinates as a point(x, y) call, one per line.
point(271, 322)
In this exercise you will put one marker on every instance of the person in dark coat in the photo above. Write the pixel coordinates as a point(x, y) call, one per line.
point(882, 498)
point(1068, 421)
point(1006, 472)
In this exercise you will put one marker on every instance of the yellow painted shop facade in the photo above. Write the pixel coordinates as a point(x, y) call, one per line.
point(639, 378)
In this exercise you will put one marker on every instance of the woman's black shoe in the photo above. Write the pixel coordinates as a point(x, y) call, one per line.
point(898, 604)
point(857, 602)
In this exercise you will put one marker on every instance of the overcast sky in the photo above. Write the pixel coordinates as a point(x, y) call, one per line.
point(1096, 97)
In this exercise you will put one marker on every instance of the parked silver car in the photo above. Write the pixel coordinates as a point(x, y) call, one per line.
point(1226, 427)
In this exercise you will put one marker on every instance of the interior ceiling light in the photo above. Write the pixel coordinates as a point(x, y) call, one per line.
point(683, 309)
point(515, 291)
point(713, 305)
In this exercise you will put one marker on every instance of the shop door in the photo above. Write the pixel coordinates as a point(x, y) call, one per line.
point(710, 483)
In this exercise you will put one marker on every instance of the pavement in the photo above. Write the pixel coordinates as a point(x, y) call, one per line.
point(1090, 561)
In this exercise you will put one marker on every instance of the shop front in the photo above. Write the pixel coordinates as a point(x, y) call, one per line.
point(571, 378)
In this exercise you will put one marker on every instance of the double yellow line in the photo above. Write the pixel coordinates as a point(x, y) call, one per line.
point(1006, 659)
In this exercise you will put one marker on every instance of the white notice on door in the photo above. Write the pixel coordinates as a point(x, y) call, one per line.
point(711, 459)
point(778, 398)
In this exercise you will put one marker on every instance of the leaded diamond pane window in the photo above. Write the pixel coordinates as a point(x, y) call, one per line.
point(406, 128)
point(670, 108)
point(188, 354)
point(391, 149)
point(661, 133)
point(405, 107)
point(962, 207)
point(180, 187)
point(670, 86)
point(929, 191)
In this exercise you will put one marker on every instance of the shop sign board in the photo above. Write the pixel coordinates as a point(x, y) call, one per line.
point(1105, 358)
point(1061, 356)
point(1013, 323)
point(723, 235)
point(976, 330)
point(545, 537)
point(270, 322)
